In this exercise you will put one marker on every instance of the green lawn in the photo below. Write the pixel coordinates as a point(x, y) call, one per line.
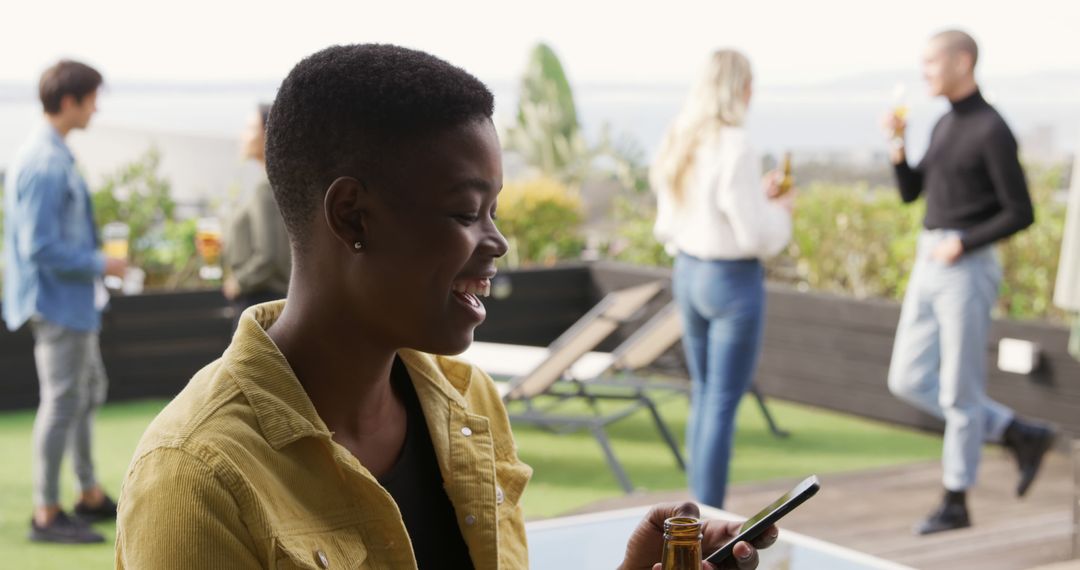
point(116, 434)
point(570, 472)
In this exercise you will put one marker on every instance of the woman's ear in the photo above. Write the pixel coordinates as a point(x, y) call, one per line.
point(345, 210)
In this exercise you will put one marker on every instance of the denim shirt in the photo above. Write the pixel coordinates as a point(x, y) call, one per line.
point(51, 256)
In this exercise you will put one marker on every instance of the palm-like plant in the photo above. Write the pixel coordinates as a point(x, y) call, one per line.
point(546, 133)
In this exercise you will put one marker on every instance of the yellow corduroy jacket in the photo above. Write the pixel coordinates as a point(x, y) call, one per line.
point(240, 472)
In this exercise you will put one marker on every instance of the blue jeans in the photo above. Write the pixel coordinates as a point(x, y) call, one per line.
point(722, 305)
point(939, 357)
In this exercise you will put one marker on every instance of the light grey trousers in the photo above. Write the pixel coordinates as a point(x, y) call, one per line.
point(72, 384)
point(940, 352)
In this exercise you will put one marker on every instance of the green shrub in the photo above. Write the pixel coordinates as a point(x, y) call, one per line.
point(862, 242)
point(858, 241)
point(171, 261)
point(541, 218)
point(635, 208)
point(164, 247)
point(634, 241)
point(546, 133)
point(850, 240)
point(1030, 259)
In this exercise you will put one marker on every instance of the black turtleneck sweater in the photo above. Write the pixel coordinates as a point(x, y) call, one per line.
point(971, 176)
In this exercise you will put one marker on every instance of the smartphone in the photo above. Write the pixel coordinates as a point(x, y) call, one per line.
point(759, 523)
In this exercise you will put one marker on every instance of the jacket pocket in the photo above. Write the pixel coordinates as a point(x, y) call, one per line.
point(340, 549)
point(510, 478)
point(510, 481)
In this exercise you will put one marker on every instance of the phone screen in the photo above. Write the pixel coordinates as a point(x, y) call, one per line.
point(755, 525)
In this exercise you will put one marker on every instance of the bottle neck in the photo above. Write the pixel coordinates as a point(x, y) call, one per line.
point(682, 544)
point(682, 528)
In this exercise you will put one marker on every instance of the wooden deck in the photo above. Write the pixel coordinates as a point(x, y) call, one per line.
point(873, 512)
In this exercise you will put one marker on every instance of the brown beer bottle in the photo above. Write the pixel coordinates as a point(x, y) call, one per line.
point(788, 181)
point(682, 544)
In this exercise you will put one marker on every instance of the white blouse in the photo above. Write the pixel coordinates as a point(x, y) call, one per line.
point(724, 213)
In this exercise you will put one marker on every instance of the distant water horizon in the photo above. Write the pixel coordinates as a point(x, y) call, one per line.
point(838, 120)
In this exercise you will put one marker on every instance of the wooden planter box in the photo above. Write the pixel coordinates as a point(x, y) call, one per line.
point(152, 345)
point(823, 350)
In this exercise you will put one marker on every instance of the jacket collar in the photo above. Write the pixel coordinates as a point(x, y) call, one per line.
point(284, 411)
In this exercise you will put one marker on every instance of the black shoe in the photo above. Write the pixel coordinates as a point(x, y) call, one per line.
point(947, 517)
point(64, 530)
point(103, 512)
point(1029, 443)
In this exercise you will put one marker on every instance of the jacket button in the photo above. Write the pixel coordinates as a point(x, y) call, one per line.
point(470, 520)
point(466, 431)
point(499, 495)
point(321, 558)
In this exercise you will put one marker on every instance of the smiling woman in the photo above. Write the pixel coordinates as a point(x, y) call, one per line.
point(426, 232)
point(334, 432)
point(354, 440)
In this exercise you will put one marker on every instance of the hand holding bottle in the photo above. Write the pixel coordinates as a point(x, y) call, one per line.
point(645, 547)
point(895, 124)
point(779, 185)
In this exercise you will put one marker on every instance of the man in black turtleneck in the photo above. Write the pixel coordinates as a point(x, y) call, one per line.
point(976, 195)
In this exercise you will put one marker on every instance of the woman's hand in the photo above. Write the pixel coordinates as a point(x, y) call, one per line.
point(646, 544)
point(231, 288)
point(786, 201)
point(770, 183)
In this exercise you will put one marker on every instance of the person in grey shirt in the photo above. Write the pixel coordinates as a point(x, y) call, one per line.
point(256, 246)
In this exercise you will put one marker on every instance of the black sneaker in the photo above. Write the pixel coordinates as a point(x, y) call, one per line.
point(1029, 443)
point(64, 530)
point(947, 517)
point(103, 512)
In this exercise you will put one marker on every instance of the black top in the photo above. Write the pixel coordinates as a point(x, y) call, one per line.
point(416, 484)
point(971, 176)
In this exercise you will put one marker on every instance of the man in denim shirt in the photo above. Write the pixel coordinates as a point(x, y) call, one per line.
point(52, 267)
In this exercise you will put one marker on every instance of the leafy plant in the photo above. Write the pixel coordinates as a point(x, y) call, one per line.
point(541, 218)
point(137, 196)
point(548, 137)
point(1030, 259)
point(861, 241)
point(634, 241)
point(851, 240)
point(546, 133)
point(164, 247)
point(634, 209)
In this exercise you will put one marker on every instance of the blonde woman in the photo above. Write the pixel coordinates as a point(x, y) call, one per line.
point(719, 217)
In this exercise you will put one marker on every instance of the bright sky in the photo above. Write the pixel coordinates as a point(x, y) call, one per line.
point(790, 41)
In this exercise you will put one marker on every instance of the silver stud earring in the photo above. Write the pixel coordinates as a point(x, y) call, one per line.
point(358, 246)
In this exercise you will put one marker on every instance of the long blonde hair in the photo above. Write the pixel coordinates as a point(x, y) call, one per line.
point(717, 100)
